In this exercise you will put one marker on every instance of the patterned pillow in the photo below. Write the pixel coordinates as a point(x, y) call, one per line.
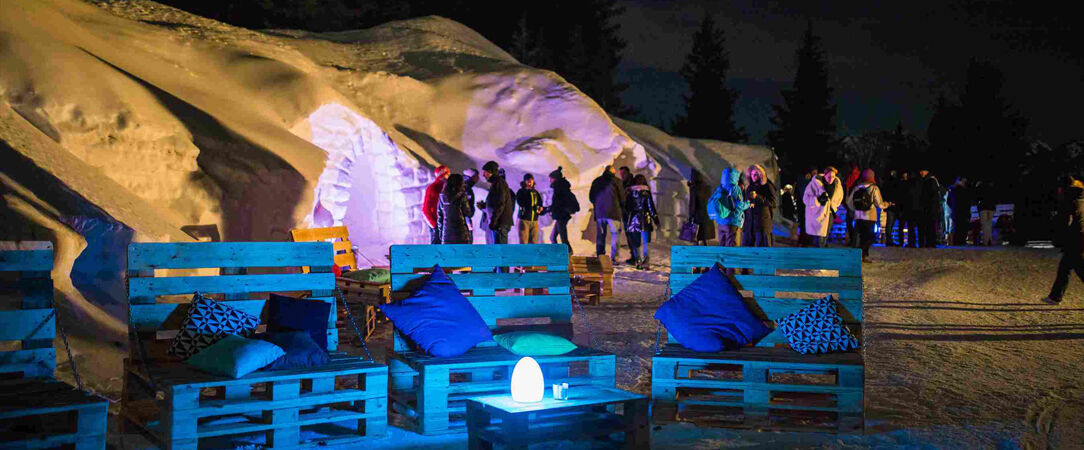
point(817, 328)
point(206, 323)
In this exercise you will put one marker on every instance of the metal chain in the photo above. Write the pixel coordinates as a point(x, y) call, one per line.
point(354, 323)
point(586, 321)
point(68, 350)
point(658, 328)
point(141, 352)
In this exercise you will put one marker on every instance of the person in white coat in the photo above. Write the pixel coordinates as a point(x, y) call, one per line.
point(822, 198)
point(865, 199)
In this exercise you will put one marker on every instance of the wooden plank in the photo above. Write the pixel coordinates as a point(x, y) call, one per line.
point(195, 255)
point(558, 308)
point(34, 363)
point(27, 324)
point(320, 234)
point(168, 316)
point(845, 260)
point(227, 284)
point(26, 256)
point(407, 258)
point(848, 288)
point(473, 280)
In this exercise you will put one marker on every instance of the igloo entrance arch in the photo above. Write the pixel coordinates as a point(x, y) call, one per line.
point(368, 184)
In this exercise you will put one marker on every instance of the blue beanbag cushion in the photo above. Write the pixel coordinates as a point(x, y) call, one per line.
point(301, 351)
point(235, 356)
point(438, 319)
point(818, 328)
point(710, 316)
point(295, 314)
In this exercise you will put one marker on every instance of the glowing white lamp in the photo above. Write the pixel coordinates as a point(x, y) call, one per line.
point(527, 383)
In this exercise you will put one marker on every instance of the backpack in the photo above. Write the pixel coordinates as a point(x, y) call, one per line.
point(862, 199)
point(573, 203)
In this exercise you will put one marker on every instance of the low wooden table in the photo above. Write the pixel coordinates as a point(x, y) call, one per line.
point(589, 413)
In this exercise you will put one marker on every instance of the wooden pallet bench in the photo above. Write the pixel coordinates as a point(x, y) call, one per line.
point(593, 277)
point(428, 393)
point(36, 411)
point(589, 413)
point(769, 385)
point(340, 403)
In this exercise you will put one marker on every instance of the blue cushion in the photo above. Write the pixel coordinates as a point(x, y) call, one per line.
point(235, 356)
point(301, 351)
point(438, 319)
point(818, 328)
point(709, 315)
point(207, 322)
point(295, 314)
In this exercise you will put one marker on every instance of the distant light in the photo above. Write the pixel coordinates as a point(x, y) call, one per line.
point(527, 383)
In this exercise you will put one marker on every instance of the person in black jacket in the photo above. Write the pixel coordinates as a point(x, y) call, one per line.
point(640, 219)
point(762, 196)
point(453, 211)
point(530, 206)
point(699, 193)
point(1070, 236)
point(926, 193)
point(563, 205)
point(499, 203)
point(959, 201)
point(608, 197)
point(470, 178)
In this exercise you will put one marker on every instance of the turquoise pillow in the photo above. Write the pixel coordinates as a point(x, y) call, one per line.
point(530, 343)
point(382, 276)
point(235, 356)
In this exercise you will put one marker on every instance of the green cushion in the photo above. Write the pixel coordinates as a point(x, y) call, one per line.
point(530, 343)
point(382, 276)
point(235, 356)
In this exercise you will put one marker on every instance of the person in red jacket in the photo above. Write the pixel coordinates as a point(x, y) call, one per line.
point(432, 202)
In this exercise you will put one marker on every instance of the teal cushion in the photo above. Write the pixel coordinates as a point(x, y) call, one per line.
point(382, 276)
point(235, 356)
point(530, 343)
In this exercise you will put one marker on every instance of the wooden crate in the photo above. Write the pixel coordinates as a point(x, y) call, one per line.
point(36, 411)
point(590, 414)
point(594, 269)
point(428, 393)
point(770, 385)
point(362, 298)
point(340, 403)
point(338, 236)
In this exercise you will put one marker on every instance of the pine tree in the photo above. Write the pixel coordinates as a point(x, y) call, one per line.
point(528, 45)
point(590, 48)
point(709, 105)
point(805, 122)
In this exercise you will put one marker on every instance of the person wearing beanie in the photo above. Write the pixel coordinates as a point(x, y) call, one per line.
point(530, 206)
point(470, 178)
point(608, 197)
point(564, 204)
point(865, 199)
point(432, 201)
point(498, 204)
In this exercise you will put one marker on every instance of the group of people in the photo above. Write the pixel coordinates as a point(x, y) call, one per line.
point(623, 201)
point(740, 211)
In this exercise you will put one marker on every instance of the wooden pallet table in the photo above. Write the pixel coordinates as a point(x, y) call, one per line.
point(362, 298)
point(595, 274)
point(769, 386)
point(36, 411)
point(590, 413)
point(341, 403)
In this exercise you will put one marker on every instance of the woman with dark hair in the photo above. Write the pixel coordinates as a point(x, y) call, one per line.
point(640, 219)
point(865, 199)
point(453, 212)
point(699, 193)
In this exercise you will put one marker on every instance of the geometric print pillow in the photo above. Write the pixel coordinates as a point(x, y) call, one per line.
point(817, 328)
point(207, 322)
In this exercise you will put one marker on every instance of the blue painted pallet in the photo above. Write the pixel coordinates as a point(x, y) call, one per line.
point(345, 400)
point(430, 393)
point(36, 411)
point(769, 385)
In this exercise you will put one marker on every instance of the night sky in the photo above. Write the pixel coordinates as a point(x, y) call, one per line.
point(888, 61)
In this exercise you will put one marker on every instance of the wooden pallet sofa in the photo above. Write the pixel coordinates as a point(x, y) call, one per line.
point(340, 403)
point(361, 297)
point(592, 277)
point(36, 410)
point(429, 392)
point(769, 385)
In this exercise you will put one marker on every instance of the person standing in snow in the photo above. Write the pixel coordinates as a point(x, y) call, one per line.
point(810, 175)
point(865, 199)
point(699, 193)
point(625, 174)
point(453, 212)
point(928, 205)
point(530, 206)
point(959, 200)
point(891, 188)
point(987, 206)
point(1069, 235)
point(608, 197)
point(562, 207)
point(470, 178)
point(499, 203)
point(431, 202)
point(640, 219)
point(762, 197)
point(727, 207)
point(848, 184)
point(787, 205)
point(822, 197)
